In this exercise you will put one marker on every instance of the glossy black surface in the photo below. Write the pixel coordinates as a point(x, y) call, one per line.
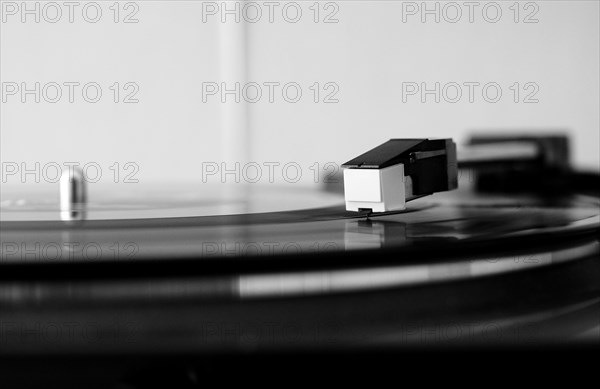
point(452, 270)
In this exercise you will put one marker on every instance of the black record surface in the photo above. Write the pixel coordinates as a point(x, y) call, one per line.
point(452, 269)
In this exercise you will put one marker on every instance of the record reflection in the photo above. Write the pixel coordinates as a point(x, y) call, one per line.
point(283, 284)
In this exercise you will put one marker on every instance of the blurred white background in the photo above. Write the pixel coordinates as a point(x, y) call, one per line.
point(361, 53)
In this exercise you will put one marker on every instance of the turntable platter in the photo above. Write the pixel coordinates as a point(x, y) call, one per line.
point(455, 258)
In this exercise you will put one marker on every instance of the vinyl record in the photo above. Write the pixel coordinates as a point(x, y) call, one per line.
point(488, 268)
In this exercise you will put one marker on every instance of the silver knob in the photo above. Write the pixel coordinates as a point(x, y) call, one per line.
point(73, 195)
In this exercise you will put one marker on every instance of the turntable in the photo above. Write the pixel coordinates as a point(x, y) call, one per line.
point(417, 246)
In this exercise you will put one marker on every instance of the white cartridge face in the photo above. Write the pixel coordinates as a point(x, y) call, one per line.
point(362, 185)
point(378, 189)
